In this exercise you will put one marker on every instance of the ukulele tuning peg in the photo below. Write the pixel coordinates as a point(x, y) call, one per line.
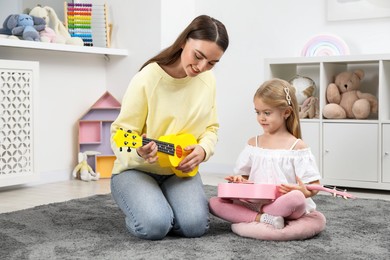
point(128, 149)
point(126, 143)
point(134, 137)
point(129, 131)
point(120, 149)
point(134, 143)
point(126, 135)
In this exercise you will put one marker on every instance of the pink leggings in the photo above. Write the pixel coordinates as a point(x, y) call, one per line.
point(290, 206)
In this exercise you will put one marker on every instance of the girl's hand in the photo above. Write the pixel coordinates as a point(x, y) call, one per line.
point(148, 151)
point(235, 178)
point(195, 155)
point(285, 188)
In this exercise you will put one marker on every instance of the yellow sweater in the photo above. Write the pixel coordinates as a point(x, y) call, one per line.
point(157, 104)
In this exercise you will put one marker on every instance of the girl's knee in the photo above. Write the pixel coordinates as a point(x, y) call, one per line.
point(213, 201)
point(297, 196)
point(214, 204)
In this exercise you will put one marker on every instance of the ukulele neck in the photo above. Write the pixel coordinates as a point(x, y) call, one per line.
point(164, 147)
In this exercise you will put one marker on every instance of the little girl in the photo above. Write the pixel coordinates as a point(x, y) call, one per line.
point(279, 157)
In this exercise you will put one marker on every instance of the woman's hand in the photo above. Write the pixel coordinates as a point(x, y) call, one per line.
point(195, 154)
point(148, 151)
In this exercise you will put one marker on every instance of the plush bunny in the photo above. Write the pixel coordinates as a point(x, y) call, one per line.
point(82, 170)
point(309, 108)
point(53, 22)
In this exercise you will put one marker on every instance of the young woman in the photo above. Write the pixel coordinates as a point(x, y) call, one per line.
point(173, 93)
point(278, 156)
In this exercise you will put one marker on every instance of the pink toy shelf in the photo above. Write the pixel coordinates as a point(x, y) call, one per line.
point(90, 132)
point(94, 133)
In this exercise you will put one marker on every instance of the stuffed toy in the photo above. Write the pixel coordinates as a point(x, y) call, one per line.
point(23, 25)
point(305, 89)
point(49, 15)
point(5, 32)
point(82, 170)
point(345, 100)
point(49, 35)
point(309, 108)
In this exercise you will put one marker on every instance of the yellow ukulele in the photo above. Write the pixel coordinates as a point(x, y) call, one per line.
point(170, 148)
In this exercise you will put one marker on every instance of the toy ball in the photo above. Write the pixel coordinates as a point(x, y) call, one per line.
point(305, 87)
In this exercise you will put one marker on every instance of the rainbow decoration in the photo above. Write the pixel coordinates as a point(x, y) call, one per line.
point(325, 45)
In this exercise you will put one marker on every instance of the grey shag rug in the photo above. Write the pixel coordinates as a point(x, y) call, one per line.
point(93, 228)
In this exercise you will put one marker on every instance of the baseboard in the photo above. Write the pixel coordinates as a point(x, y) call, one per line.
point(52, 176)
point(65, 175)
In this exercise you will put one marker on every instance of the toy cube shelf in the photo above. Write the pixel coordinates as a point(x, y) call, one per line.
point(90, 132)
point(104, 165)
point(349, 152)
point(94, 133)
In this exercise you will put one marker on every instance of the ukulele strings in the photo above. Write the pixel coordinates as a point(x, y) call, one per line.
point(164, 147)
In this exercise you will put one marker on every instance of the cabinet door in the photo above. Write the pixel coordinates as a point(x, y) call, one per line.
point(386, 153)
point(311, 136)
point(350, 151)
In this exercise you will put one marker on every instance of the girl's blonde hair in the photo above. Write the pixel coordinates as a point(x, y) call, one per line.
point(279, 93)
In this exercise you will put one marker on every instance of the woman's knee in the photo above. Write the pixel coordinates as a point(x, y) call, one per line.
point(149, 228)
point(194, 227)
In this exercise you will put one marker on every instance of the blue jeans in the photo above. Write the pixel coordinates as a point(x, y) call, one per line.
point(155, 205)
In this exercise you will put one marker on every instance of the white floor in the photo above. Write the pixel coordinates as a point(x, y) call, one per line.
point(31, 196)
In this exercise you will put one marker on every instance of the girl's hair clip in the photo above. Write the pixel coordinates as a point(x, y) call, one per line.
point(288, 97)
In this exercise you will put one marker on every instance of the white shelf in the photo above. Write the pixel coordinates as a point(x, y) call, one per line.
point(61, 47)
point(349, 152)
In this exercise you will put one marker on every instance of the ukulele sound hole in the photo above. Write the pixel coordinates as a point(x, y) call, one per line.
point(179, 151)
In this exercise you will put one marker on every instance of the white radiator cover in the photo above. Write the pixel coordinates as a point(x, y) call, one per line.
point(18, 122)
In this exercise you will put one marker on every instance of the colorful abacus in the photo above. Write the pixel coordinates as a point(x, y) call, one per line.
point(89, 22)
point(79, 17)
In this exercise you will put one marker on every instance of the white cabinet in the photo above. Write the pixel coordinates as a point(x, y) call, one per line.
point(349, 152)
point(386, 153)
point(311, 132)
point(18, 122)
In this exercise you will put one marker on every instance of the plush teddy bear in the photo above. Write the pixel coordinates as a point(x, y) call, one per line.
point(82, 170)
point(53, 22)
point(345, 100)
point(23, 25)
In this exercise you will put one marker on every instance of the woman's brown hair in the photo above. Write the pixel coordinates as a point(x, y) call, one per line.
point(202, 27)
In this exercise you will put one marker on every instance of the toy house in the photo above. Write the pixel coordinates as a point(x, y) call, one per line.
point(94, 133)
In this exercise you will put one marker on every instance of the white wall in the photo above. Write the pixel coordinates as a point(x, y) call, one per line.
point(257, 29)
point(70, 83)
point(261, 29)
point(137, 29)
